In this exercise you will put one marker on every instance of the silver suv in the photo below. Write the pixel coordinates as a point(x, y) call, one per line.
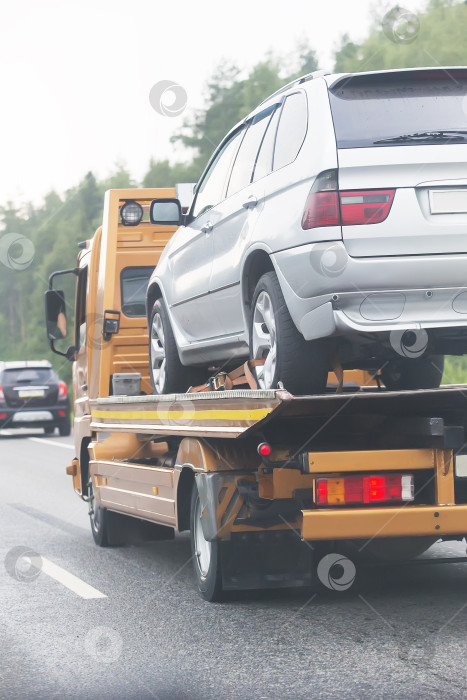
point(329, 226)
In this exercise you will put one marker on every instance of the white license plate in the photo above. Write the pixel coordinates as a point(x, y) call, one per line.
point(448, 201)
point(31, 416)
point(30, 393)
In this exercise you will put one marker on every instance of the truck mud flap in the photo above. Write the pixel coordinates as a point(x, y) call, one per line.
point(231, 499)
point(265, 560)
point(220, 502)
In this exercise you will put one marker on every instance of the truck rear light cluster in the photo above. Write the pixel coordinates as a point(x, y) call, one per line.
point(62, 390)
point(326, 205)
point(363, 489)
point(2, 416)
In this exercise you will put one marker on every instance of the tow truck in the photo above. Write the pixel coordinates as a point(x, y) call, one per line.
point(268, 484)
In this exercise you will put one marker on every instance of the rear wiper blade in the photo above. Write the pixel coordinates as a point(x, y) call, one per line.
point(448, 134)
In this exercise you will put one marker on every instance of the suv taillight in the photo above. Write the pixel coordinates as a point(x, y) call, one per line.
point(2, 395)
point(363, 489)
point(326, 205)
point(62, 390)
point(322, 204)
point(365, 206)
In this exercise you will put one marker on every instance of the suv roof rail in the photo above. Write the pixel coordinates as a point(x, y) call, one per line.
point(298, 81)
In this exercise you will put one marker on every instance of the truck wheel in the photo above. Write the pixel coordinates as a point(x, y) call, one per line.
point(106, 527)
point(168, 375)
point(301, 366)
point(65, 428)
point(418, 373)
point(206, 555)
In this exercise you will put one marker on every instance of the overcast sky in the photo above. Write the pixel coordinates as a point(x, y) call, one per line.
point(76, 76)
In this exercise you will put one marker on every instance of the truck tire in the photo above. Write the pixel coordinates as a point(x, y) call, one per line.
point(206, 555)
point(106, 527)
point(168, 375)
point(301, 366)
point(409, 374)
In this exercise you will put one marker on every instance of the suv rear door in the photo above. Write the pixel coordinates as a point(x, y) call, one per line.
point(403, 130)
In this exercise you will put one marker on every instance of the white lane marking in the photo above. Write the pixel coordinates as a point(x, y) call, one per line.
point(84, 590)
point(52, 442)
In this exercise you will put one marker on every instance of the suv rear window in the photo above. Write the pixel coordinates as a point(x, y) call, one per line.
point(28, 375)
point(369, 108)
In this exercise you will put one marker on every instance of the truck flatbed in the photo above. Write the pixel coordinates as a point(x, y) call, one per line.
point(240, 413)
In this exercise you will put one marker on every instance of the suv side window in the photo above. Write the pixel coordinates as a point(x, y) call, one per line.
point(263, 165)
point(212, 187)
point(292, 130)
point(242, 170)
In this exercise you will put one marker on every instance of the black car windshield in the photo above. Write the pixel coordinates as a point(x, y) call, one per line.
point(28, 375)
point(382, 109)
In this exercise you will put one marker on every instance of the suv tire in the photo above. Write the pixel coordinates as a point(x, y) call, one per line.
point(302, 366)
point(168, 375)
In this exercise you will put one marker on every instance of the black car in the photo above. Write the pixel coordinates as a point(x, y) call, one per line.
point(33, 396)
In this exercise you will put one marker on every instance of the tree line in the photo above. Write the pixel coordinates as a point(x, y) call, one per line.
point(36, 240)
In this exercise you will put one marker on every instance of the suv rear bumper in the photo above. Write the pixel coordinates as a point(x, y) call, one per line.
point(361, 295)
point(379, 312)
point(34, 417)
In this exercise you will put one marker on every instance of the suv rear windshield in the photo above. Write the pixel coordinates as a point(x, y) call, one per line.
point(370, 108)
point(28, 375)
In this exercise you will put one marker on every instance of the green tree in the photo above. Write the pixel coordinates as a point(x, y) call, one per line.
point(436, 38)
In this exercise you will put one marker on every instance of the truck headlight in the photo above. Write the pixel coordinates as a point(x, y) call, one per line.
point(131, 213)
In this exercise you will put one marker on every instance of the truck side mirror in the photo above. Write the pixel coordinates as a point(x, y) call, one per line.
point(166, 212)
point(55, 314)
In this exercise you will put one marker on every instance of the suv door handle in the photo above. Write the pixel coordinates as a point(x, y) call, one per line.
point(207, 228)
point(250, 203)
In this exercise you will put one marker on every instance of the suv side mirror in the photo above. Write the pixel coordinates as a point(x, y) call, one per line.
point(55, 314)
point(166, 212)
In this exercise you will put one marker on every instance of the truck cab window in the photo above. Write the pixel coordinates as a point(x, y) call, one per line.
point(134, 283)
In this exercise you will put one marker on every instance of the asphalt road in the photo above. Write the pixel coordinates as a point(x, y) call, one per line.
point(144, 632)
